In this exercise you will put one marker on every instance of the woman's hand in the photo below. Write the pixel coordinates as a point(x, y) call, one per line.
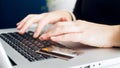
point(88, 33)
point(42, 20)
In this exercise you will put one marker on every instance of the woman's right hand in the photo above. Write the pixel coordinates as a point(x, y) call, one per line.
point(42, 20)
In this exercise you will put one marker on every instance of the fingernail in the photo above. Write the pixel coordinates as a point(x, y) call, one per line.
point(18, 27)
point(17, 23)
point(35, 36)
point(41, 38)
point(21, 32)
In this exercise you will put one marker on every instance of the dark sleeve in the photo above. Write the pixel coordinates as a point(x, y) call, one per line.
point(77, 9)
point(98, 11)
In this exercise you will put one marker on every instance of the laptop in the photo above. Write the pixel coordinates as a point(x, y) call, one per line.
point(4, 61)
point(88, 57)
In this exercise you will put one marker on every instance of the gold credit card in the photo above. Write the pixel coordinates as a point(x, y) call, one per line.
point(59, 51)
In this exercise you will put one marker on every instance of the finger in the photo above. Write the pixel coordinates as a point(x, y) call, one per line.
point(63, 19)
point(52, 19)
point(21, 23)
point(46, 20)
point(38, 29)
point(79, 37)
point(26, 26)
point(18, 24)
point(33, 19)
point(73, 37)
point(60, 28)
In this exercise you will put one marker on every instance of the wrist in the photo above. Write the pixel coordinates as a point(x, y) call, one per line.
point(72, 16)
point(116, 38)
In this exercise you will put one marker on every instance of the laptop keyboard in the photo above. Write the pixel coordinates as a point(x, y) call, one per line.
point(27, 45)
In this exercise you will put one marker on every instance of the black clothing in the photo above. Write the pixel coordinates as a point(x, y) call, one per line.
point(98, 11)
